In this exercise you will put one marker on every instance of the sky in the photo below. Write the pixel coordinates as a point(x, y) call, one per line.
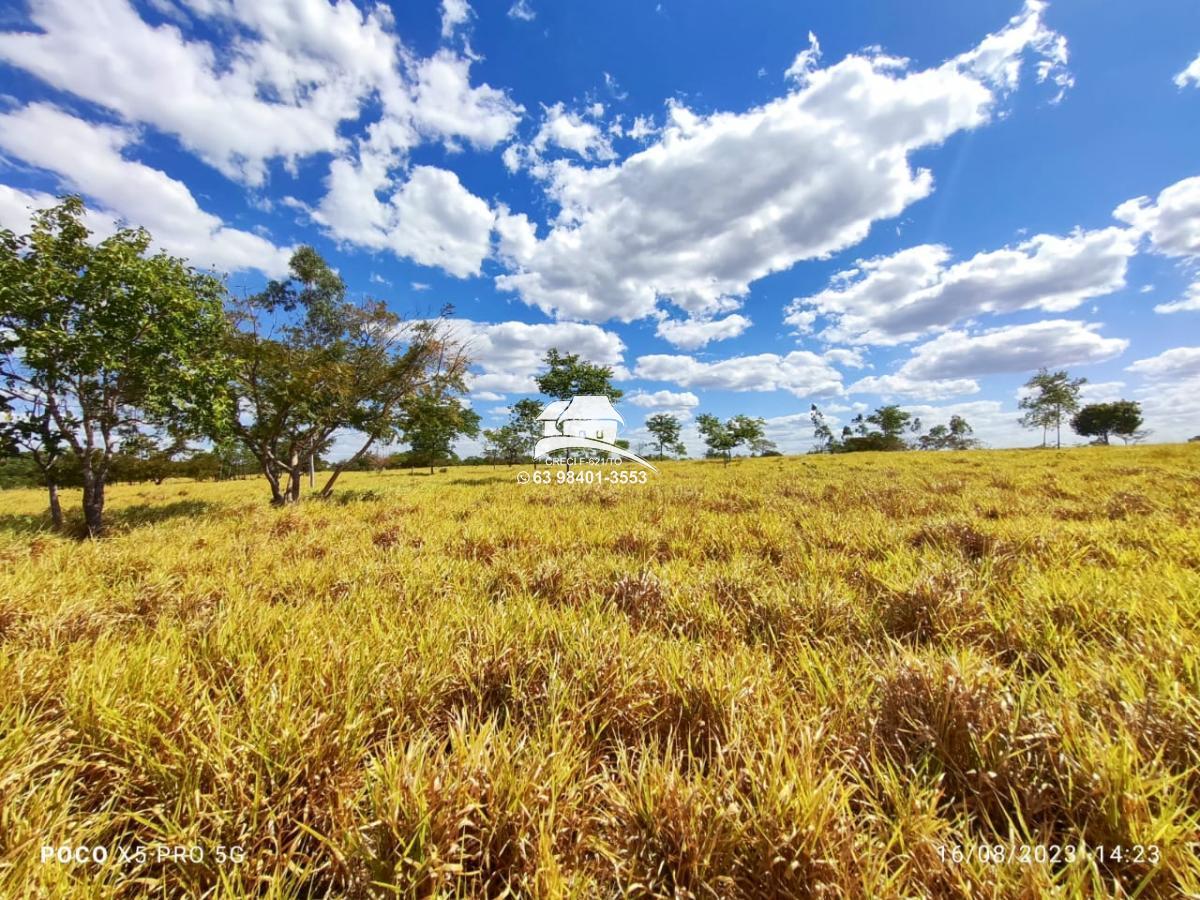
point(740, 208)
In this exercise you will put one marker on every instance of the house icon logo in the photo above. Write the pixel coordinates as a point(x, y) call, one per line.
point(583, 423)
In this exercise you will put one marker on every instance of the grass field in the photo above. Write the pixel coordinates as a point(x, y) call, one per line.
point(813, 676)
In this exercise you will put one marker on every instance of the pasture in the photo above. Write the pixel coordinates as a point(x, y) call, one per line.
point(786, 677)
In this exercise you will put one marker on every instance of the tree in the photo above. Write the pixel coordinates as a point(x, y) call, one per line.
point(432, 422)
point(665, 428)
point(722, 438)
point(718, 436)
point(824, 441)
point(568, 376)
point(99, 339)
point(1051, 397)
point(955, 436)
point(1122, 418)
point(309, 363)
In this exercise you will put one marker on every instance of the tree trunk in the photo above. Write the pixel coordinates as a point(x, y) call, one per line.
point(56, 514)
point(93, 502)
point(340, 467)
point(277, 497)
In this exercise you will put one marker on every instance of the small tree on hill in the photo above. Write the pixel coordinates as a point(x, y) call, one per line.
point(431, 423)
point(955, 436)
point(665, 428)
point(1052, 397)
point(722, 438)
point(1099, 421)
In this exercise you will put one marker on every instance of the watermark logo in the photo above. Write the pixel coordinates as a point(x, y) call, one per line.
point(583, 423)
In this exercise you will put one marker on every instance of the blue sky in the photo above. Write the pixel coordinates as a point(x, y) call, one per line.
point(742, 208)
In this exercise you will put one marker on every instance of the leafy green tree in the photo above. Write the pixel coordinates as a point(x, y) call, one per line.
point(310, 363)
point(1050, 399)
point(717, 435)
point(955, 436)
point(1098, 421)
point(666, 429)
point(432, 423)
point(101, 338)
point(568, 376)
point(503, 443)
point(824, 441)
point(722, 438)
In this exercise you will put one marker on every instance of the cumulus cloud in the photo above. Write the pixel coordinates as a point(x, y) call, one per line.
point(721, 200)
point(565, 130)
point(800, 372)
point(1190, 302)
point(509, 354)
point(664, 400)
point(90, 160)
point(454, 14)
point(17, 208)
point(1175, 364)
point(691, 334)
point(904, 385)
point(293, 72)
point(959, 355)
point(1170, 221)
point(1190, 75)
point(899, 298)
point(278, 86)
point(435, 221)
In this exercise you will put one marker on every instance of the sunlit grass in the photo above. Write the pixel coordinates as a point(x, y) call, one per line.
point(785, 677)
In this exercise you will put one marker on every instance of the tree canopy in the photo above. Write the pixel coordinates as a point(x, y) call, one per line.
point(309, 363)
point(1050, 399)
point(101, 340)
point(1120, 418)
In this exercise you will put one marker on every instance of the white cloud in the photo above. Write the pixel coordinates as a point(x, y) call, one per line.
point(800, 372)
point(1101, 391)
point(851, 359)
point(669, 400)
point(899, 298)
point(454, 14)
point(445, 104)
point(293, 72)
point(17, 207)
point(805, 63)
point(1178, 363)
point(1190, 75)
point(429, 218)
point(690, 334)
point(436, 221)
point(1170, 393)
point(1171, 221)
point(285, 76)
point(522, 10)
point(1014, 348)
point(510, 353)
point(1190, 302)
point(902, 385)
point(722, 200)
point(89, 158)
point(570, 131)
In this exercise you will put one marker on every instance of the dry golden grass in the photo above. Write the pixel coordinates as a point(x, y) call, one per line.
point(783, 678)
